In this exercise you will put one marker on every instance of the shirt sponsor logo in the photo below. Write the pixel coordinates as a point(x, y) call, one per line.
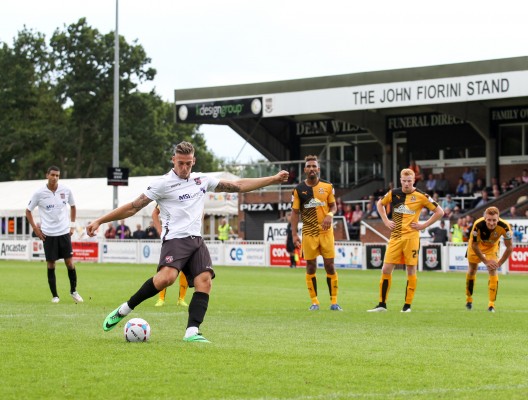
point(314, 203)
point(404, 210)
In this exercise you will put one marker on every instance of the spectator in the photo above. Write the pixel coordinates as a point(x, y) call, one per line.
point(461, 189)
point(139, 233)
point(448, 213)
point(456, 212)
point(457, 231)
point(417, 171)
point(467, 227)
point(442, 185)
point(439, 233)
point(482, 201)
point(436, 198)
point(524, 176)
point(340, 211)
point(110, 232)
point(122, 231)
point(512, 213)
point(357, 215)
point(469, 178)
point(479, 186)
point(496, 192)
point(348, 213)
point(371, 213)
point(151, 232)
point(489, 188)
point(504, 187)
point(292, 177)
point(448, 202)
point(430, 184)
point(424, 214)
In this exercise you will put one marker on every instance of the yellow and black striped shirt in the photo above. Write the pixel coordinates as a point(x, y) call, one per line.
point(313, 203)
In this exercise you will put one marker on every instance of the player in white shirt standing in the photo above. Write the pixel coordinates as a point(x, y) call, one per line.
point(180, 195)
point(57, 226)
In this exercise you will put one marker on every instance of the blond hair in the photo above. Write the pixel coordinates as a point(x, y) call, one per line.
point(407, 172)
point(184, 148)
point(491, 211)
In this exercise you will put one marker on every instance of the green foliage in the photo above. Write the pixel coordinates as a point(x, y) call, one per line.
point(265, 342)
point(56, 107)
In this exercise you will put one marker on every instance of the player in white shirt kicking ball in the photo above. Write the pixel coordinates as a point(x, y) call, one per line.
point(180, 195)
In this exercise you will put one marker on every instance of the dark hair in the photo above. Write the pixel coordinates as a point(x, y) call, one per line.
point(310, 158)
point(53, 168)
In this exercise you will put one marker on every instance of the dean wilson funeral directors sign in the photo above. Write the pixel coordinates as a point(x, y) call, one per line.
point(219, 110)
point(117, 176)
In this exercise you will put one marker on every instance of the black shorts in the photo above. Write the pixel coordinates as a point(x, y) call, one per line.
point(57, 247)
point(188, 255)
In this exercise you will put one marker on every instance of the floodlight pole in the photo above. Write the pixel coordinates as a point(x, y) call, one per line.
point(115, 158)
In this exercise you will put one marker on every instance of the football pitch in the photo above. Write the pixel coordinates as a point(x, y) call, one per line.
point(265, 342)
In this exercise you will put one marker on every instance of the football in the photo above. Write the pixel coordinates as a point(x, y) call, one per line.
point(137, 330)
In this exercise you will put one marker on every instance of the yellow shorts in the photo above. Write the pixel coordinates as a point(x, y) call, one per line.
point(404, 251)
point(323, 245)
point(491, 253)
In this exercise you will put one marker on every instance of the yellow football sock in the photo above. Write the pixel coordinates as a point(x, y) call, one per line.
point(331, 281)
point(311, 283)
point(184, 285)
point(493, 287)
point(385, 284)
point(162, 294)
point(470, 285)
point(410, 289)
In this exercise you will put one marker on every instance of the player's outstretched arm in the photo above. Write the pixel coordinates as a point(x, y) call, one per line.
point(249, 184)
point(123, 212)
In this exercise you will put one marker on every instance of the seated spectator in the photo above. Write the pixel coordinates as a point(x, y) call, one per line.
point(489, 188)
point(457, 212)
point(469, 178)
point(442, 185)
point(430, 184)
point(448, 202)
point(512, 213)
point(482, 201)
point(448, 213)
point(439, 233)
point(357, 215)
point(371, 213)
point(496, 192)
point(479, 186)
point(424, 214)
point(461, 189)
point(504, 187)
point(436, 198)
point(524, 176)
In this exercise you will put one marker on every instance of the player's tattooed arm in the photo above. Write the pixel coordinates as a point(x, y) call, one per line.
point(229, 187)
point(140, 202)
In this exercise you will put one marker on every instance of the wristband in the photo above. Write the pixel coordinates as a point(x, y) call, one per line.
point(330, 213)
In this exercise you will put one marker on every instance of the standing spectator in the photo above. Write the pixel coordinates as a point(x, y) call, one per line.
point(442, 185)
point(483, 247)
point(468, 225)
point(439, 233)
point(417, 172)
point(57, 214)
point(152, 231)
point(404, 242)
point(469, 178)
point(314, 201)
point(122, 231)
point(139, 233)
point(348, 214)
point(457, 231)
point(371, 213)
point(340, 211)
point(224, 230)
point(183, 248)
point(110, 232)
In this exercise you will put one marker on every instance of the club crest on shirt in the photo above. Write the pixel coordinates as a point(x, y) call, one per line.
point(169, 259)
point(198, 181)
point(321, 191)
point(413, 198)
point(431, 257)
point(63, 196)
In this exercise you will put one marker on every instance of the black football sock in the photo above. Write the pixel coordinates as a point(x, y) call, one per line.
point(72, 274)
point(197, 309)
point(52, 282)
point(145, 292)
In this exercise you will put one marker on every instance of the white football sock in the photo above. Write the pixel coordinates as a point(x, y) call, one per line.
point(191, 331)
point(124, 309)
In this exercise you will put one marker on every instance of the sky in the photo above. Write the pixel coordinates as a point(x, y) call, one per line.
point(215, 43)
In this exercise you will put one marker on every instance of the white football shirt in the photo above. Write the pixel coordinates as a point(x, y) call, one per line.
point(181, 202)
point(53, 209)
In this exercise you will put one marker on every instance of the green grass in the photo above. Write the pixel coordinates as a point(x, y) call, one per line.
point(265, 342)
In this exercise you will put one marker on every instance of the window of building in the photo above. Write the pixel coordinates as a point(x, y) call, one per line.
point(513, 140)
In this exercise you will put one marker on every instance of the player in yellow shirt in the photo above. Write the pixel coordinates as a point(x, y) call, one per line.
point(483, 246)
point(313, 199)
point(184, 285)
point(404, 244)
